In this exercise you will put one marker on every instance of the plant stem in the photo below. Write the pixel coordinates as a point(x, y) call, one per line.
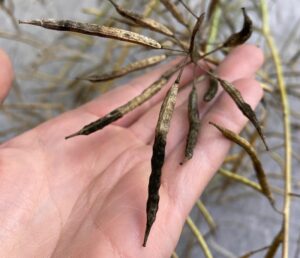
point(287, 125)
point(199, 237)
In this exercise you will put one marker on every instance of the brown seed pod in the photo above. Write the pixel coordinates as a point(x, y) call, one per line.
point(212, 89)
point(236, 38)
point(260, 173)
point(95, 30)
point(142, 21)
point(158, 156)
point(122, 110)
point(242, 36)
point(193, 52)
point(132, 67)
point(242, 105)
point(129, 106)
point(194, 125)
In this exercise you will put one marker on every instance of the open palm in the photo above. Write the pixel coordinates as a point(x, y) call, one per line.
point(86, 197)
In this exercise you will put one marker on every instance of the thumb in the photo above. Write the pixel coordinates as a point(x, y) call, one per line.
point(6, 75)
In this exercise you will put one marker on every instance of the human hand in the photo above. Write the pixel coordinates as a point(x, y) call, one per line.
point(86, 197)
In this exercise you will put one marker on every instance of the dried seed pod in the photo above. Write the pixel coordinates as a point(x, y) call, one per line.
point(143, 21)
point(158, 156)
point(242, 36)
point(122, 110)
point(129, 106)
point(172, 8)
point(141, 64)
point(236, 38)
point(212, 89)
point(193, 51)
point(95, 30)
point(242, 105)
point(194, 125)
point(260, 173)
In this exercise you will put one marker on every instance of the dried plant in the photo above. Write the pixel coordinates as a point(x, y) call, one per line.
point(200, 42)
point(168, 105)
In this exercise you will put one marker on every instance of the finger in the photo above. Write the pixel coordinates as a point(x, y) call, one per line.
point(115, 98)
point(242, 62)
point(6, 75)
point(210, 150)
point(249, 57)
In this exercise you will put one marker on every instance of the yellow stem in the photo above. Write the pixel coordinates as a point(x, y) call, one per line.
point(240, 179)
point(206, 214)
point(199, 237)
point(287, 128)
point(214, 28)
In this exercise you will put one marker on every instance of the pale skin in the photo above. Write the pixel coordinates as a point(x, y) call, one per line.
point(86, 197)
